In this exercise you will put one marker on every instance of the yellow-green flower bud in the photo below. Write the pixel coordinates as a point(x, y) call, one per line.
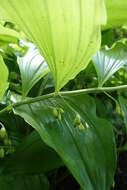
point(77, 120)
point(55, 113)
point(61, 110)
point(7, 142)
point(59, 116)
point(3, 133)
point(2, 153)
point(81, 127)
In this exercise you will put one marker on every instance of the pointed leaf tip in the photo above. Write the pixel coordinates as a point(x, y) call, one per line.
point(66, 32)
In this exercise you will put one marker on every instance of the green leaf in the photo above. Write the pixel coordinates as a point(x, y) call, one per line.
point(88, 150)
point(116, 13)
point(67, 33)
point(32, 156)
point(3, 77)
point(123, 105)
point(8, 35)
point(109, 60)
point(32, 68)
point(28, 182)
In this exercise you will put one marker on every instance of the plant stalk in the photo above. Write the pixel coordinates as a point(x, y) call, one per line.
point(62, 93)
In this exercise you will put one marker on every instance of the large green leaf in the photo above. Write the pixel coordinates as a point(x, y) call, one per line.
point(109, 60)
point(3, 77)
point(66, 32)
point(32, 68)
point(24, 182)
point(116, 13)
point(32, 156)
point(88, 150)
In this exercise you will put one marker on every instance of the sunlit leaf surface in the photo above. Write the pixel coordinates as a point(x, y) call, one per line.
point(66, 32)
point(116, 13)
point(32, 68)
point(109, 60)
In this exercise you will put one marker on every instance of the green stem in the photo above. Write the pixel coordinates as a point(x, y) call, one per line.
point(63, 93)
point(121, 149)
point(111, 97)
point(93, 90)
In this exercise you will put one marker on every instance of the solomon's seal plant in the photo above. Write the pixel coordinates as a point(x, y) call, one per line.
point(48, 49)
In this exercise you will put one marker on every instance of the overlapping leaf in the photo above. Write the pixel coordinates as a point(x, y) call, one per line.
point(116, 13)
point(88, 150)
point(25, 182)
point(66, 32)
point(108, 61)
point(123, 105)
point(32, 68)
point(3, 77)
point(8, 36)
point(32, 156)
